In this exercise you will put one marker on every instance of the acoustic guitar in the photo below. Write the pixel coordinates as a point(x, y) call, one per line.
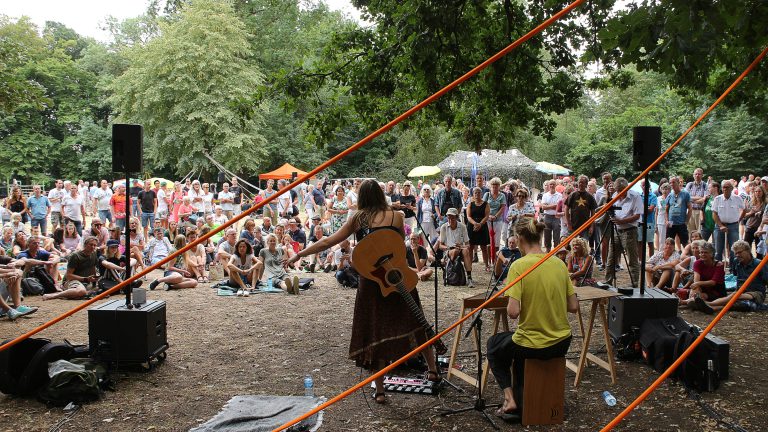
point(380, 257)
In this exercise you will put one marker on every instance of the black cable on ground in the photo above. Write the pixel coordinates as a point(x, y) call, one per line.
point(712, 413)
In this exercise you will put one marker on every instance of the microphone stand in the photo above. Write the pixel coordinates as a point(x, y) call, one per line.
point(434, 264)
point(477, 325)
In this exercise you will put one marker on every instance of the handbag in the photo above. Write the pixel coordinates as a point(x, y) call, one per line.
point(215, 271)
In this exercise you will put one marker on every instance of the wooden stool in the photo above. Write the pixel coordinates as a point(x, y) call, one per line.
point(499, 309)
point(544, 391)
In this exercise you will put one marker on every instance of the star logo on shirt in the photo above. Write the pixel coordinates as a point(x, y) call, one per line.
point(581, 202)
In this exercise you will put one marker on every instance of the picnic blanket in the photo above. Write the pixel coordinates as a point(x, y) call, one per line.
point(263, 413)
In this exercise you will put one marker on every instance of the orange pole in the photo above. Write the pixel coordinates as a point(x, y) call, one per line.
point(584, 226)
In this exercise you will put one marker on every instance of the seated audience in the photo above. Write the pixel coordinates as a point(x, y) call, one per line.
point(34, 255)
point(454, 241)
point(6, 241)
point(297, 234)
point(324, 257)
point(273, 257)
point(158, 248)
point(81, 271)
point(196, 258)
point(10, 285)
point(580, 263)
point(418, 258)
point(226, 248)
point(708, 277)
point(742, 266)
point(175, 275)
point(508, 254)
point(683, 279)
point(660, 268)
point(245, 269)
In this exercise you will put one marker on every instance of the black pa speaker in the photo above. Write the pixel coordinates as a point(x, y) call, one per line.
point(646, 146)
point(222, 177)
point(127, 148)
point(117, 334)
point(627, 311)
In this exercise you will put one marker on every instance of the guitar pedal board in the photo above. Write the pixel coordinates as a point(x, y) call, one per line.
point(409, 385)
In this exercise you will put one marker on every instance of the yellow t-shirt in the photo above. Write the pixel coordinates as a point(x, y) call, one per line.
point(543, 296)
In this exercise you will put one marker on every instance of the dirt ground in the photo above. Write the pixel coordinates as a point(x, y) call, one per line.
point(221, 347)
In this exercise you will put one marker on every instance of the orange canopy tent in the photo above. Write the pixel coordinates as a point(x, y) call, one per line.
point(284, 172)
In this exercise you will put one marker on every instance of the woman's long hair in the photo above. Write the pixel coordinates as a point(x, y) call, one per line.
point(370, 200)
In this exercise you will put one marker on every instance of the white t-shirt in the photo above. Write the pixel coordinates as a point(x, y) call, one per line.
point(426, 211)
point(162, 203)
point(551, 199)
point(284, 202)
point(728, 209)
point(208, 203)
point(197, 205)
point(452, 237)
point(352, 195)
point(220, 219)
point(58, 194)
point(71, 208)
point(102, 198)
point(228, 206)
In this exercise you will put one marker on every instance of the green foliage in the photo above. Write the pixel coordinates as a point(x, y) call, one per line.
point(18, 44)
point(188, 87)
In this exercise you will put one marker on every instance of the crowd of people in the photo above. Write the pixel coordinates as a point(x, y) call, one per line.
point(472, 222)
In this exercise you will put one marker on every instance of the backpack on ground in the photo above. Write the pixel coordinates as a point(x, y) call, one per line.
point(348, 277)
point(454, 272)
point(698, 371)
point(31, 286)
point(658, 337)
point(78, 380)
point(42, 275)
point(24, 366)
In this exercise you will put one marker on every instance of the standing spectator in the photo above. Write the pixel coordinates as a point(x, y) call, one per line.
point(338, 209)
point(549, 201)
point(177, 197)
point(447, 197)
point(73, 208)
point(148, 204)
point(133, 191)
point(55, 196)
point(408, 204)
point(698, 190)
point(427, 213)
point(270, 210)
point(117, 205)
point(207, 200)
point(163, 204)
point(16, 203)
point(649, 224)
point(308, 202)
point(226, 201)
point(40, 209)
point(678, 207)
point(101, 202)
point(196, 199)
point(480, 182)
point(284, 201)
point(727, 211)
point(708, 225)
point(579, 207)
point(753, 214)
point(602, 192)
point(318, 195)
point(498, 206)
point(625, 220)
point(661, 215)
point(478, 213)
point(521, 208)
point(352, 198)
point(237, 192)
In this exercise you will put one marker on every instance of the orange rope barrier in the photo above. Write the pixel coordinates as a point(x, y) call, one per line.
point(301, 179)
point(584, 226)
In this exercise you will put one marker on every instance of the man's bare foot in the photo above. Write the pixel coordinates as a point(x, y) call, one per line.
point(46, 296)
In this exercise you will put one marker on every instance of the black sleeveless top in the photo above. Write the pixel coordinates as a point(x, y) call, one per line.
point(364, 230)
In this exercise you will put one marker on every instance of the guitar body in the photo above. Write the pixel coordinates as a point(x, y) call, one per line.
point(380, 257)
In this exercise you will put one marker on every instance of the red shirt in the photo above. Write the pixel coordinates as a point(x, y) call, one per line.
point(118, 202)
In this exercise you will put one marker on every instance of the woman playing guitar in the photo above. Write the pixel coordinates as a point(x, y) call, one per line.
point(375, 343)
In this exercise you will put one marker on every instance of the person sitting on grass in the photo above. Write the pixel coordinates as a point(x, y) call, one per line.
point(323, 257)
point(708, 277)
point(196, 258)
point(176, 276)
point(273, 257)
point(159, 247)
point(10, 282)
point(660, 268)
point(226, 248)
point(683, 279)
point(418, 258)
point(580, 263)
point(81, 271)
point(244, 268)
point(742, 265)
point(291, 248)
point(34, 255)
point(508, 254)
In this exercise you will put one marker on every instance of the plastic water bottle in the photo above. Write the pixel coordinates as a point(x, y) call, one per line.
point(608, 398)
point(309, 386)
point(269, 283)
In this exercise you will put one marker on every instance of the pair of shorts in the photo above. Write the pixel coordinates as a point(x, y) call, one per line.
point(147, 219)
point(162, 214)
point(650, 232)
point(757, 296)
point(73, 284)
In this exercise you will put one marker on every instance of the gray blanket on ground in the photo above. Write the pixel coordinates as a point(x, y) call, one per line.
point(263, 413)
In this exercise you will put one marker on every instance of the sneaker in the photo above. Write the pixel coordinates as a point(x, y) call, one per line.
point(601, 267)
point(13, 314)
point(327, 268)
point(289, 286)
point(167, 287)
point(239, 293)
point(470, 284)
point(154, 284)
point(702, 306)
point(296, 285)
point(246, 293)
point(26, 310)
point(3, 313)
point(312, 268)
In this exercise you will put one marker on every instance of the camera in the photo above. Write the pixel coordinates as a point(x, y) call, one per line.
point(612, 210)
